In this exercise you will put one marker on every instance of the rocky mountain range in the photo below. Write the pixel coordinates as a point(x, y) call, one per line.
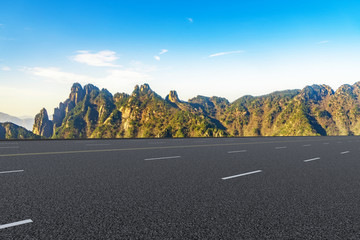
point(93, 113)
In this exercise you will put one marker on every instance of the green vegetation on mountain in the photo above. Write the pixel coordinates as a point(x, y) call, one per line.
point(12, 131)
point(93, 113)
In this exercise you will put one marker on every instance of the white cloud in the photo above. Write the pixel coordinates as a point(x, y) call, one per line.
point(225, 53)
point(163, 51)
point(104, 58)
point(323, 42)
point(114, 79)
point(58, 75)
point(5, 68)
point(190, 20)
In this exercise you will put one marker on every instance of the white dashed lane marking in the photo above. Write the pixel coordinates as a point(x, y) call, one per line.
point(15, 224)
point(13, 171)
point(242, 174)
point(311, 159)
point(238, 151)
point(159, 158)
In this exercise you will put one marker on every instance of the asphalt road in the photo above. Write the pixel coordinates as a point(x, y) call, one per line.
point(203, 188)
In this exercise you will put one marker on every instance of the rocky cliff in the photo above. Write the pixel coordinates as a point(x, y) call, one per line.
point(93, 113)
point(43, 126)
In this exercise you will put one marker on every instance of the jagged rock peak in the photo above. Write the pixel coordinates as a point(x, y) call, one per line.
point(42, 125)
point(76, 87)
point(346, 88)
point(173, 97)
point(89, 88)
point(77, 93)
point(357, 84)
point(136, 91)
point(43, 112)
point(316, 92)
point(106, 92)
point(120, 96)
point(145, 88)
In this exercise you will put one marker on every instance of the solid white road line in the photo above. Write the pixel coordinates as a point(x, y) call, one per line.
point(307, 145)
point(10, 147)
point(325, 143)
point(239, 151)
point(345, 152)
point(15, 224)
point(14, 171)
point(147, 159)
point(280, 147)
point(242, 174)
point(312, 159)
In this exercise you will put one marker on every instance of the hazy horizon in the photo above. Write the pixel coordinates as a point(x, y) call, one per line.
point(205, 48)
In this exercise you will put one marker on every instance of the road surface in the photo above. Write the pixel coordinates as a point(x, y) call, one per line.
point(200, 188)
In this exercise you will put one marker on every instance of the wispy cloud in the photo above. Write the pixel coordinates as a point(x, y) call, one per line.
point(112, 78)
point(53, 73)
point(225, 53)
point(5, 68)
point(190, 20)
point(163, 51)
point(104, 58)
point(323, 42)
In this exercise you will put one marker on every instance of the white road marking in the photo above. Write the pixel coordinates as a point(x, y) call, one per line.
point(307, 145)
point(339, 142)
point(13, 171)
point(15, 224)
point(98, 144)
point(325, 143)
point(280, 147)
point(239, 151)
point(349, 141)
point(345, 152)
point(311, 159)
point(242, 174)
point(10, 147)
point(147, 159)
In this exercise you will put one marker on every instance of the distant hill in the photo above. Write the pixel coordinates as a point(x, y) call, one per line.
point(93, 113)
point(24, 122)
point(12, 131)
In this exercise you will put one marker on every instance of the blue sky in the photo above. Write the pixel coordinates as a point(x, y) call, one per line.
point(223, 48)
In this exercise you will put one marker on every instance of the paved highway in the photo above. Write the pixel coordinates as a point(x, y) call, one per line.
point(201, 188)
